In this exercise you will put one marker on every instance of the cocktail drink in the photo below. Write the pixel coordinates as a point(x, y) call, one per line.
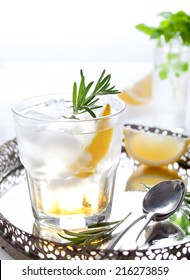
point(70, 160)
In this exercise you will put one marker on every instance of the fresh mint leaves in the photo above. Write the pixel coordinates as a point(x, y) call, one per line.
point(173, 63)
point(172, 26)
point(173, 30)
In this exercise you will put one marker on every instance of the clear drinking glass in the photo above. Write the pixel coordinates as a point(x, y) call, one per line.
point(170, 85)
point(70, 162)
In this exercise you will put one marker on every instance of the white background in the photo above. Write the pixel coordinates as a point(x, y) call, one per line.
point(79, 30)
point(111, 267)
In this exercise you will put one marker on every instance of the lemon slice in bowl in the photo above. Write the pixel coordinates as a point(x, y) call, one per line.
point(154, 149)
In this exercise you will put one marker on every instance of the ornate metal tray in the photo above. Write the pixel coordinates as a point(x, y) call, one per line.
point(17, 240)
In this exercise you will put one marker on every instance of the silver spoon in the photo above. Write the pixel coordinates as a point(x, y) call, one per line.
point(162, 230)
point(160, 202)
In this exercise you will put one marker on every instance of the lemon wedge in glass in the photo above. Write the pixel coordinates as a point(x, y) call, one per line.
point(99, 145)
point(97, 148)
point(154, 149)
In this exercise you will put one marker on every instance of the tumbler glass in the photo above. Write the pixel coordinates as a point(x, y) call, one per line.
point(70, 161)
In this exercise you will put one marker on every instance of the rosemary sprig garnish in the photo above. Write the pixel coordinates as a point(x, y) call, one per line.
point(95, 234)
point(83, 100)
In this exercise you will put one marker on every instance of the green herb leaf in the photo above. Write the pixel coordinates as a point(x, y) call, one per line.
point(146, 29)
point(166, 15)
point(74, 96)
point(163, 74)
point(89, 110)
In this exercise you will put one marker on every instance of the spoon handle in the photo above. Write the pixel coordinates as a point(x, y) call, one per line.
point(115, 241)
point(148, 219)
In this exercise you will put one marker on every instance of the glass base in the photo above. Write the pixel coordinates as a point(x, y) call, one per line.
point(53, 228)
point(95, 209)
point(73, 222)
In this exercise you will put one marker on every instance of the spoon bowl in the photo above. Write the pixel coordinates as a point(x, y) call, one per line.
point(164, 197)
point(163, 230)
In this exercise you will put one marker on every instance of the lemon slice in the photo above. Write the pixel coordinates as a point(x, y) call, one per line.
point(130, 98)
point(139, 94)
point(97, 149)
point(148, 175)
point(100, 143)
point(154, 149)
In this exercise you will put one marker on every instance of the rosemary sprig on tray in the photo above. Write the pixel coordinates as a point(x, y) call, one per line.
point(95, 234)
point(83, 101)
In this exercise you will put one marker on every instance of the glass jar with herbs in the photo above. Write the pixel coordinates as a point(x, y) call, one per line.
point(171, 69)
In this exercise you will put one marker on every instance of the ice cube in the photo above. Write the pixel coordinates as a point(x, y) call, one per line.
point(50, 110)
point(39, 115)
point(30, 156)
point(59, 149)
point(65, 180)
